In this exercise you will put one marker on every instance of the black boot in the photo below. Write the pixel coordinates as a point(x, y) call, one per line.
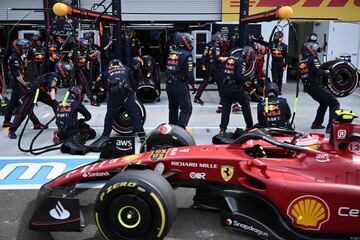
point(99, 144)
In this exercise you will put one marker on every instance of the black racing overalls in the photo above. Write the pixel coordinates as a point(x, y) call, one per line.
point(207, 70)
point(45, 83)
point(67, 118)
point(179, 73)
point(119, 82)
point(277, 115)
point(310, 73)
point(16, 69)
point(279, 61)
point(233, 91)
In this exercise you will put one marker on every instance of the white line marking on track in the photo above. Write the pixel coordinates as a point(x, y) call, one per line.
point(45, 115)
point(151, 128)
point(90, 157)
point(166, 106)
point(38, 186)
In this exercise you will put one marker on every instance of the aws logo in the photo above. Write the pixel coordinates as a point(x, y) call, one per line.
point(124, 145)
point(308, 212)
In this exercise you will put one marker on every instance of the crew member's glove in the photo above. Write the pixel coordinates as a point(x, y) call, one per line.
point(148, 75)
point(194, 88)
point(114, 87)
point(99, 78)
point(81, 120)
point(27, 87)
point(54, 104)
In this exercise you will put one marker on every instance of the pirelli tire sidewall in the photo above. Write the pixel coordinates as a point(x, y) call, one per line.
point(122, 123)
point(344, 78)
point(147, 91)
point(176, 137)
point(149, 199)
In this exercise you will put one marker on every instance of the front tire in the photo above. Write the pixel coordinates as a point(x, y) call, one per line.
point(135, 205)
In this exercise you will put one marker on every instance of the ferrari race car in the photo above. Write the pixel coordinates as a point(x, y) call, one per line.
point(268, 183)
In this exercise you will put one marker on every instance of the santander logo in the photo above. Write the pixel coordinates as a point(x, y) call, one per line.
point(95, 174)
point(59, 212)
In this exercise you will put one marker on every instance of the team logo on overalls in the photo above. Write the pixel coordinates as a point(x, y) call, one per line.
point(227, 172)
point(303, 68)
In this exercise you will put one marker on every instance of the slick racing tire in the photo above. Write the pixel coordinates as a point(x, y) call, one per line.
point(135, 205)
point(166, 136)
point(343, 78)
point(147, 91)
point(249, 66)
point(122, 123)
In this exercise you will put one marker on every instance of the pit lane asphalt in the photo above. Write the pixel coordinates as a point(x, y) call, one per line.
point(17, 205)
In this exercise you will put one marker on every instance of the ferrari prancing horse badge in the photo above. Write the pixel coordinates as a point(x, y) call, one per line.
point(227, 172)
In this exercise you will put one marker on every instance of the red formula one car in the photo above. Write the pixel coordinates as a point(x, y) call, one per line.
point(262, 184)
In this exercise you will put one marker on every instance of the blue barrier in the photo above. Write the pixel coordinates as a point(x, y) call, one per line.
point(32, 172)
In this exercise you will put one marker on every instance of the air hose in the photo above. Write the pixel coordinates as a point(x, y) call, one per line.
point(53, 146)
point(280, 28)
point(44, 149)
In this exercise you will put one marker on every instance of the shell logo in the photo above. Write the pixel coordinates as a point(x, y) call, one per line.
point(308, 212)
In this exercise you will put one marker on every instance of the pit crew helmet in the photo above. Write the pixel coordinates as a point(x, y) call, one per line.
point(312, 37)
point(220, 39)
point(278, 35)
point(185, 40)
point(309, 49)
point(115, 62)
point(35, 38)
point(272, 87)
point(89, 35)
point(63, 69)
point(83, 43)
point(216, 37)
point(19, 45)
point(137, 63)
point(77, 93)
point(249, 54)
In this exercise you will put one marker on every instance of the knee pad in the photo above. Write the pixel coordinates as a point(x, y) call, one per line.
point(89, 134)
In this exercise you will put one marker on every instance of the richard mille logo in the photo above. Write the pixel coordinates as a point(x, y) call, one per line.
point(59, 212)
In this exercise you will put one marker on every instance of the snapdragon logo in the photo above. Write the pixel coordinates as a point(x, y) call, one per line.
point(245, 227)
point(59, 212)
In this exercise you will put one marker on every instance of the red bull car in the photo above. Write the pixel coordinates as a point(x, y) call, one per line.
point(266, 183)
